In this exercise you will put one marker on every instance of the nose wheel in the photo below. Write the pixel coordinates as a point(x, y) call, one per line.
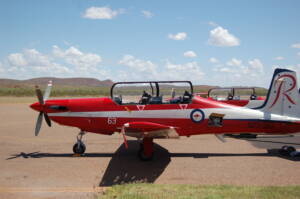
point(79, 147)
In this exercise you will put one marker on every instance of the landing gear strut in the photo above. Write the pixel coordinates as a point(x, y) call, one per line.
point(145, 152)
point(79, 146)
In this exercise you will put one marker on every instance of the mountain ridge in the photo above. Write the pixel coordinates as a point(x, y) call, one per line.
point(73, 81)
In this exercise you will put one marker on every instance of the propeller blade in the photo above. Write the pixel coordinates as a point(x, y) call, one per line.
point(48, 121)
point(220, 137)
point(38, 124)
point(124, 137)
point(48, 90)
point(173, 93)
point(39, 95)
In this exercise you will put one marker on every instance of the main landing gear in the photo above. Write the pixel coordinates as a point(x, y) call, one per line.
point(79, 146)
point(145, 152)
point(289, 151)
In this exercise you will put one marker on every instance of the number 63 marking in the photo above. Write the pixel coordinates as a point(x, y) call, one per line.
point(111, 120)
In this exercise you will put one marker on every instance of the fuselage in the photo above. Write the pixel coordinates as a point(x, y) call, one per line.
point(104, 116)
point(242, 102)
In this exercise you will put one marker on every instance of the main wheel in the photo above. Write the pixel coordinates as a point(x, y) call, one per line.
point(79, 148)
point(291, 149)
point(287, 150)
point(144, 157)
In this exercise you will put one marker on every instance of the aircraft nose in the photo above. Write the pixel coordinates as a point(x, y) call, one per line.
point(36, 106)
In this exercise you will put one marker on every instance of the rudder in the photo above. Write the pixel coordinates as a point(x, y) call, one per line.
point(283, 96)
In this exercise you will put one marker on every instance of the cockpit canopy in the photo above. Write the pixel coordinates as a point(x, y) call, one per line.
point(232, 93)
point(152, 92)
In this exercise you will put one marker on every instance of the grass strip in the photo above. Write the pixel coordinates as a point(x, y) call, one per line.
point(156, 191)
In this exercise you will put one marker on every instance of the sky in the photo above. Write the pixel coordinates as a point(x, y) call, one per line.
point(224, 43)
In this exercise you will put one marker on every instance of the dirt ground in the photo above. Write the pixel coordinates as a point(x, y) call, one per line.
point(44, 166)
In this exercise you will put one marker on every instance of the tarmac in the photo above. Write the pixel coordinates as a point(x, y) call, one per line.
point(45, 167)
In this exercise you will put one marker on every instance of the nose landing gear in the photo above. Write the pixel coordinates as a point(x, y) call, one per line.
point(79, 147)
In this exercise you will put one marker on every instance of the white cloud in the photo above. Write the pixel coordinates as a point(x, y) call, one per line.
point(213, 60)
point(14, 69)
point(29, 58)
point(73, 56)
point(189, 54)
point(35, 58)
point(234, 62)
point(187, 71)
point(279, 58)
point(2, 69)
point(17, 59)
point(137, 69)
point(101, 13)
point(239, 73)
point(226, 70)
point(212, 23)
point(54, 68)
point(32, 62)
point(140, 70)
point(178, 36)
point(221, 37)
point(147, 14)
point(256, 65)
point(296, 45)
point(62, 63)
point(137, 64)
point(236, 67)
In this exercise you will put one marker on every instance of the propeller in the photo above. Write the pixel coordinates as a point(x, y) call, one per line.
point(220, 137)
point(173, 93)
point(42, 100)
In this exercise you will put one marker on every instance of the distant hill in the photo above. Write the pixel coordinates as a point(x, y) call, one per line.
point(83, 87)
point(74, 82)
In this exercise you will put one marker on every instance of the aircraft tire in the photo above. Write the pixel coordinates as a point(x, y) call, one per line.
point(79, 149)
point(290, 150)
point(142, 155)
point(287, 150)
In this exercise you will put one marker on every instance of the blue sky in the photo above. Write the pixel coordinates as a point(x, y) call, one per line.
point(209, 42)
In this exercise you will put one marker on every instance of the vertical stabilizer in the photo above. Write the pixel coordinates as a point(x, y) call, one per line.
point(283, 97)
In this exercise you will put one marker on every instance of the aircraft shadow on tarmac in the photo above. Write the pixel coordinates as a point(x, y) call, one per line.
point(125, 167)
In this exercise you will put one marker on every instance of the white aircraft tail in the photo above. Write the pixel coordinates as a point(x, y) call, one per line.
point(283, 97)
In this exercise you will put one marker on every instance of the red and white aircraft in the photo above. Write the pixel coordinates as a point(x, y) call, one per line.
point(251, 100)
point(184, 116)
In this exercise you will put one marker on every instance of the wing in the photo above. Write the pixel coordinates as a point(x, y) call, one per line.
point(149, 129)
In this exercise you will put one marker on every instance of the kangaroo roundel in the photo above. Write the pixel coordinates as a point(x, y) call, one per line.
point(197, 116)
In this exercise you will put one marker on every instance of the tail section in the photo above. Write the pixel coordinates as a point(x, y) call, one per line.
point(283, 97)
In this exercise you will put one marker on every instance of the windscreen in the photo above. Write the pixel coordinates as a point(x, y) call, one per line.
point(152, 92)
point(243, 93)
point(220, 94)
point(173, 91)
point(132, 93)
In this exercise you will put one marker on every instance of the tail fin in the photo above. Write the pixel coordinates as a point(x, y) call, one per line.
point(283, 97)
